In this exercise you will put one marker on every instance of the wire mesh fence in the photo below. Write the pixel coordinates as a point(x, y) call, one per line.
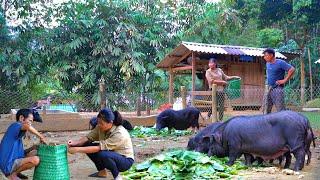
point(257, 100)
point(13, 100)
point(228, 103)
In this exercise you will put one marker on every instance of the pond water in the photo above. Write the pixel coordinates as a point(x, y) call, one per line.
point(63, 107)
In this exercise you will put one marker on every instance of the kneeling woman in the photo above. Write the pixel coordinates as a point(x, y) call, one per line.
point(114, 150)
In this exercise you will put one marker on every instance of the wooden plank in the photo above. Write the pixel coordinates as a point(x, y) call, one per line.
point(187, 68)
point(201, 93)
point(193, 76)
point(182, 68)
point(251, 73)
point(203, 102)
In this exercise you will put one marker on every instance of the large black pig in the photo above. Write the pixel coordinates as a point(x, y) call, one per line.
point(309, 139)
point(267, 136)
point(195, 142)
point(180, 120)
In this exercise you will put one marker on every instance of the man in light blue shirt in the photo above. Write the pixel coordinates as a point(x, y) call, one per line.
point(276, 69)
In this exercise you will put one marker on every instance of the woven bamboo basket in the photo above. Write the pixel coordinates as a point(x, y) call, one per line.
point(53, 163)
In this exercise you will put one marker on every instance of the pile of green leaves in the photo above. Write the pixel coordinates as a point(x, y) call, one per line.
point(142, 132)
point(182, 164)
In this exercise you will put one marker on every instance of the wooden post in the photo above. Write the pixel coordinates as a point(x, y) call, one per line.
point(302, 76)
point(265, 99)
point(193, 78)
point(138, 105)
point(214, 103)
point(171, 85)
point(102, 91)
point(184, 98)
point(44, 111)
point(310, 74)
point(148, 109)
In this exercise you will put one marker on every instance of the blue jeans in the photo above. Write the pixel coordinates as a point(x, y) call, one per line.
point(275, 97)
point(110, 160)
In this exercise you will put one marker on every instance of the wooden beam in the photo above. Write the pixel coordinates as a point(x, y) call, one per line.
point(182, 68)
point(188, 67)
point(180, 59)
point(171, 81)
point(193, 76)
point(201, 93)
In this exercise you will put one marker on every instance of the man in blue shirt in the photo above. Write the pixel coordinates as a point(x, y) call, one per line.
point(12, 156)
point(276, 69)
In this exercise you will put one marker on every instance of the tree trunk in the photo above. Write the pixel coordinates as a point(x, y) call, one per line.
point(138, 105)
point(102, 92)
point(310, 74)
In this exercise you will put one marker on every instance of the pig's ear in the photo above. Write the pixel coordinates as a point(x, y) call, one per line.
point(206, 139)
point(217, 137)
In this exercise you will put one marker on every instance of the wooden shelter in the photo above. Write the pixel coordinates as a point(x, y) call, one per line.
point(246, 62)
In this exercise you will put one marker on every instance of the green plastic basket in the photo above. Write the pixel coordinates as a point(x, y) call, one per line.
point(53, 163)
point(233, 89)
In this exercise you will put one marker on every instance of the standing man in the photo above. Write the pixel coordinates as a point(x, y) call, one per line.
point(215, 75)
point(276, 69)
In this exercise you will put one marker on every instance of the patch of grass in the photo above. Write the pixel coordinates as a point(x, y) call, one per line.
point(314, 118)
point(313, 104)
point(226, 117)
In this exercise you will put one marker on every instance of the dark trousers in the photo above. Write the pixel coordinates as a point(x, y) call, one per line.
point(110, 160)
point(275, 97)
point(220, 105)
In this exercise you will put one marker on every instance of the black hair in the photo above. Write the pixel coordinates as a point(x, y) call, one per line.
point(23, 112)
point(213, 60)
point(36, 116)
point(117, 118)
point(269, 51)
point(106, 115)
point(109, 116)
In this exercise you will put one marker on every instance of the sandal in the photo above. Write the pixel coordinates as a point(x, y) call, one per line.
point(96, 175)
point(22, 176)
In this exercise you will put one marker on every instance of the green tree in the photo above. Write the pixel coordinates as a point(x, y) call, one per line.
point(270, 37)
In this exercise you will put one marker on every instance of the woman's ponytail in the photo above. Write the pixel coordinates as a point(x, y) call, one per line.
point(117, 118)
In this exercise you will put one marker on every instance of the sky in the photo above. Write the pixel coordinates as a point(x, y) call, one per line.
point(15, 22)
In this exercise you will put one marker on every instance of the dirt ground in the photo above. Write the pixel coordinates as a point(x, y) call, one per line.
point(80, 166)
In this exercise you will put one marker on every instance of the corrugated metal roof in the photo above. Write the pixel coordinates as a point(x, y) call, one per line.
point(187, 47)
point(227, 49)
point(204, 48)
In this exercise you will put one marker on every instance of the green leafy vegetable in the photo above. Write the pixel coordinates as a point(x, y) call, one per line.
point(142, 132)
point(182, 164)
